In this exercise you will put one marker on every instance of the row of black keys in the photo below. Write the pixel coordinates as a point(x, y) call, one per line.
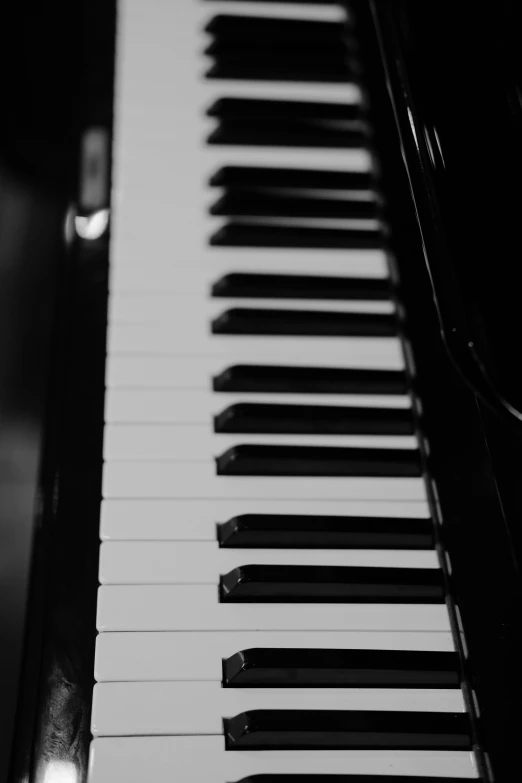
point(237, 47)
point(240, 320)
point(274, 49)
point(332, 584)
point(281, 123)
point(249, 193)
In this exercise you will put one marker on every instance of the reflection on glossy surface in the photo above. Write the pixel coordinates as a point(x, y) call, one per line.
point(59, 772)
point(451, 69)
point(459, 78)
point(93, 226)
point(29, 236)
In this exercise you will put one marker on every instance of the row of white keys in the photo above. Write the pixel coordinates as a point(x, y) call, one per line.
point(193, 707)
point(183, 371)
point(195, 519)
point(198, 655)
point(179, 311)
point(198, 608)
point(203, 562)
point(203, 759)
point(198, 479)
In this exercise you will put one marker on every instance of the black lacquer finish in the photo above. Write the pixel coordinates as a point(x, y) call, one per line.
point(470, 242)
point(60, 64)
point(325, 532)
point(309, 380)
point(297, 668)
point(250, 417)
point(31, 260)
point(247, 460)
point(323, 730)
point(474, 457)
point(332, 584)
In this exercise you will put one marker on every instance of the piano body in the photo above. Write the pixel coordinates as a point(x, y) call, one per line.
point(260, 321)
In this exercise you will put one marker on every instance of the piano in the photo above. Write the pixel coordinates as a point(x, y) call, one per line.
point(260, 399)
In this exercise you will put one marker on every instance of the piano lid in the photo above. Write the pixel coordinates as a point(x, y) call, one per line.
point(455, 74)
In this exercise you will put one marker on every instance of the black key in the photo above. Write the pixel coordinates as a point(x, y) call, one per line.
point(267, 31)
point(247, 460)
point(301, 2)
point(265, 110)
point(282, 54)
point(308, 179)
point(289, 134)
point(239, 201)
point(340, 778)
point(292, 72)
point(243, 234)
point(239, 320)
point(243, 285)
point(331, 584)
point(280, 531)
point(309, 380)
point(364, 730)
point(298, 668)
point(253, 417)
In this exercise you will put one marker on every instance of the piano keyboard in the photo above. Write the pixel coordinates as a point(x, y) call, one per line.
point(269, 581)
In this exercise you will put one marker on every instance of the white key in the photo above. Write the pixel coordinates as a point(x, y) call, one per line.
point(194, 406)
point(203, 562)
point(179, 479)
point(175, 277)
point(155, 339)
point(193, 315)
point(124, 441)
point(135, 657)
point(280, 10)
point(195, 520)
point(196, 372)
point(203, 759)
point(197, 608)
point(215, 262)
point(144, 708)
point(201, 308)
